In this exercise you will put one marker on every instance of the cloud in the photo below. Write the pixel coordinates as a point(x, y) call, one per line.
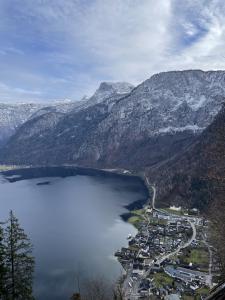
point(18, 93)
point(65, 48)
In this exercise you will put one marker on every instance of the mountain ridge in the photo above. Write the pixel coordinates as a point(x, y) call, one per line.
point(138, 129)
point(192, 177)
point(13, 115)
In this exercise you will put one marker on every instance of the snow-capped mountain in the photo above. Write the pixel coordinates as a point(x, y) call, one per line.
point(158, 117)
point(14, 115)
point(172, 101)
point(108, 91)
point(194, 177)
point(58, 107)
point(140, 128)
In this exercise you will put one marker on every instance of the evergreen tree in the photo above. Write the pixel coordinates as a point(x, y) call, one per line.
point(76, 296)
point(2, 264)
point(19, 261)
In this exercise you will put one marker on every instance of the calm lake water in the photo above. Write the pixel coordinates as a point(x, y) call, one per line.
point(74, 224)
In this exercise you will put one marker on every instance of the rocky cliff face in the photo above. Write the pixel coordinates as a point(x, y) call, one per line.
point(133, 128)
point(196, 176)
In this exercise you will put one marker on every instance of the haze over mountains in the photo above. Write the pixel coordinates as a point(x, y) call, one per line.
point(122, 126)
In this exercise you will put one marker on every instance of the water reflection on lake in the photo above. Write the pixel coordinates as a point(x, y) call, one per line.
point(74, 224)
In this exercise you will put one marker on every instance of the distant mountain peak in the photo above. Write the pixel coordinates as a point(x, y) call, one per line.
point(107, 89)
point(117, 87)
point(122, 126)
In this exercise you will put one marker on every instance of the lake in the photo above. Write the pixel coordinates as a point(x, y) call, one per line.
point(73, 218)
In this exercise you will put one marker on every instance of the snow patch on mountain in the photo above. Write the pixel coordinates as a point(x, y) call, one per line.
point(107, 92)
point(194, 103)
point(13, 115)
point(171, 129)
point(121, 125)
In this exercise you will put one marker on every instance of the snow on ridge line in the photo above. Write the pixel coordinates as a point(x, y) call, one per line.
point(194, 128)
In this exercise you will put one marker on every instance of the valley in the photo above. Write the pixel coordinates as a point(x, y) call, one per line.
point(112, 150)
point(167, 131)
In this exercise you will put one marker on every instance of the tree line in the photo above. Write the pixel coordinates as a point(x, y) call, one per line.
point(16, 261)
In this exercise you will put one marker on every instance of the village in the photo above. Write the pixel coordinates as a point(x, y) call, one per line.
point(169, 258)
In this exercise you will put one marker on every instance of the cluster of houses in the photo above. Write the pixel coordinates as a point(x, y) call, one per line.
point(147, 254)
point(154, 240)
point(194, 279)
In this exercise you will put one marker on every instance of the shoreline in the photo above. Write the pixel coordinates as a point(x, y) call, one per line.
point(17, 173)
point(14, 173)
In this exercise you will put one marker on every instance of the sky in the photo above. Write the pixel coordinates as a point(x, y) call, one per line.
point(55, 50)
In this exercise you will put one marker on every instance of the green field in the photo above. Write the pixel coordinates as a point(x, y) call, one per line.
point(198, 256)
point(161, 279)
point(10, 167)
point(174, 212)
point(158, 221)
point(139, 212)
point(204, 291)
point(137, 217)
point(134, 220)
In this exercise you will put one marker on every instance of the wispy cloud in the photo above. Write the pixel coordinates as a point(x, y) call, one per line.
point(63, 49)
point(19, 93)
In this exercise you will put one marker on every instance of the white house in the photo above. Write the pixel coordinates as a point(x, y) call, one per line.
point(173, 207)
